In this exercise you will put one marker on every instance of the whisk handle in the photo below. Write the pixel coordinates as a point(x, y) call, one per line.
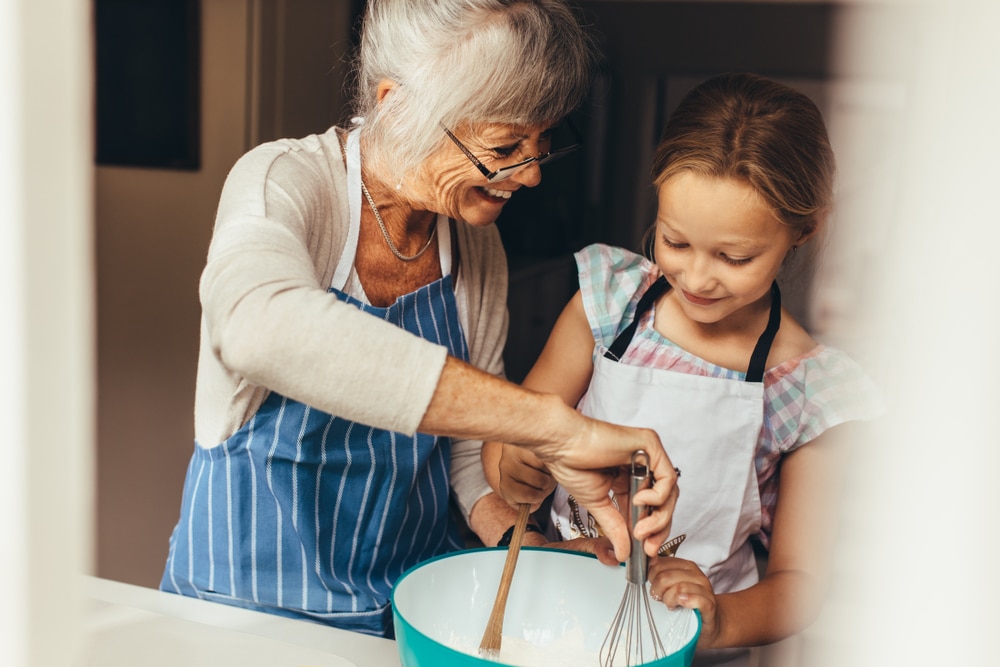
point(639, 479)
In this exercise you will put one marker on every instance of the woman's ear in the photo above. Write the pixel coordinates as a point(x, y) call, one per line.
point(384, 87)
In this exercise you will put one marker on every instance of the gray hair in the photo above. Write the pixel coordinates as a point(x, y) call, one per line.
point(517, 62)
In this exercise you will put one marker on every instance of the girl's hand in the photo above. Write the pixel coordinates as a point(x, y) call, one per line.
point(523, 477)
point(533, 539)
point(680, 583)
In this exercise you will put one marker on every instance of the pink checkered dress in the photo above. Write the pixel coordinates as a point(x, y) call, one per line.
point(803, 396)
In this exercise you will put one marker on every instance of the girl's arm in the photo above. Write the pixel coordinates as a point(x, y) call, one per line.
point(563, 368)
point(791, 593)
point(579, 452)
point(566, 363)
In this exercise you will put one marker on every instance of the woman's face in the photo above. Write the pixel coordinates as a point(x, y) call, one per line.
point(450, 183)
point(718, 244)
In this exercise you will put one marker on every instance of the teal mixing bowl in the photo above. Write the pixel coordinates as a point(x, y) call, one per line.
point(559, 610)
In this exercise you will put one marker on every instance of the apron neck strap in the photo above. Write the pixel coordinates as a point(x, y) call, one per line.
point(352, 154)
point(653, 292)
point(758, 360)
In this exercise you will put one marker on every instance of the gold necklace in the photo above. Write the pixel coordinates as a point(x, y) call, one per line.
point(385, 232)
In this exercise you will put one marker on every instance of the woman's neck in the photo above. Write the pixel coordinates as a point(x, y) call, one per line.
point(409, 227)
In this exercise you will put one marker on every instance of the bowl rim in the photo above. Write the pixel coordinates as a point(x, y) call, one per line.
point(688, 646)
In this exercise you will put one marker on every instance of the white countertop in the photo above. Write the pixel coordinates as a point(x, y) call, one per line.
point(128, 625)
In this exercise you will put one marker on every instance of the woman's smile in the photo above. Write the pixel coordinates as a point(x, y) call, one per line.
point(496, 195)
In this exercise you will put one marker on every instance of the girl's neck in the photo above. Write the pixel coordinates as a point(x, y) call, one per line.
point(728, 342)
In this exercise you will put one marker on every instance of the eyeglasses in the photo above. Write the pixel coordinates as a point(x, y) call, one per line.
point(506, 172)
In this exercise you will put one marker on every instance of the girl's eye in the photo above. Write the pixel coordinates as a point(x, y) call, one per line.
point(736, 262)
point(670, 244)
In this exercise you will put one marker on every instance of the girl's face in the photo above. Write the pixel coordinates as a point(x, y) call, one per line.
point(450, 183)
point(718, 244)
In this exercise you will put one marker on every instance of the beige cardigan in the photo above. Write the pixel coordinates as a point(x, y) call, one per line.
point(268, 322)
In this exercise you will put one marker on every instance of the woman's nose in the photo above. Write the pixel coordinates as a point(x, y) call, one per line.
point(529, 175)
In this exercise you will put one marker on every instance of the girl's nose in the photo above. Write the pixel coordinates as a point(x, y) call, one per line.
point(698, 274)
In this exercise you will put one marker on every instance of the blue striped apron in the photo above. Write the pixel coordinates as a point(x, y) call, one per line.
point(304, 514)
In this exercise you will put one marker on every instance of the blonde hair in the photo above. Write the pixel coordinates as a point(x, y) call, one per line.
point(518, 62)
point(745, 126)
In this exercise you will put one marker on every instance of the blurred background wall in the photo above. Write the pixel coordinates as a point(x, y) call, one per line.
point(47, 364)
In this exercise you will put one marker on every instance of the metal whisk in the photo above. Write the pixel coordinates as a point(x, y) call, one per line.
point(633, 638)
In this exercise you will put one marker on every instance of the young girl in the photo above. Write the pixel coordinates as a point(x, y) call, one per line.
point(695, 345)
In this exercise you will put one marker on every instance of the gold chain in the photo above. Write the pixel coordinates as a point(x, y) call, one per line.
point(385, 232)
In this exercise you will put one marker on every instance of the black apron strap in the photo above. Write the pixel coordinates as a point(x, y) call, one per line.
point(758, 360)
point(653, 292)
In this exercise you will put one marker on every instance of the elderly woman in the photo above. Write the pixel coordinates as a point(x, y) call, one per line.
point(354, 315)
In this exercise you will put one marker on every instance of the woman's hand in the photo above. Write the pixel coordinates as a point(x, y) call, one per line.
point(581, 453)
point(680, 583)
point(588, 466)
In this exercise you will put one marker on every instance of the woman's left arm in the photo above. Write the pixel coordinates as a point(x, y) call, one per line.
point(789, 596)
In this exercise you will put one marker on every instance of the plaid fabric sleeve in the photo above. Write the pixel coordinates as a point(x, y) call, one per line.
point(825, 390)
point(804, 399)
point(611, 282)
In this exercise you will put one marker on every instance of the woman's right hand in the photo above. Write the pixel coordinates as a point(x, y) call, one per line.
point(588, 465)
point(583, 454)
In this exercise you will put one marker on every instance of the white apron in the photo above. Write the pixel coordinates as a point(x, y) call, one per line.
point(709, 427)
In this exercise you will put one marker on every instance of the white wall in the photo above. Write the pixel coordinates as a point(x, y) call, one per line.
point(46, 328)
point(917, 577)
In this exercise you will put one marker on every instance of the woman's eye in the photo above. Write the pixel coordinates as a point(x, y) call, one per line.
point(504, 151)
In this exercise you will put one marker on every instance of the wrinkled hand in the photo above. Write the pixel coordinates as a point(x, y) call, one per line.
point(523, 477)
point(599, 546)
point(681, 583)
point(588, 466)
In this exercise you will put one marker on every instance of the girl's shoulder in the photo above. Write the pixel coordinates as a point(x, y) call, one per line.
point(612, 280)
point(817, 390)
point(792, 341)
point(821, 364)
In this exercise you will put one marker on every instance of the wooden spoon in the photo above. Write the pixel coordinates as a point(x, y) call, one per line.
point(489, 648)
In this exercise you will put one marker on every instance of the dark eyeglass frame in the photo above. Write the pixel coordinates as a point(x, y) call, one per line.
point(504, 173)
